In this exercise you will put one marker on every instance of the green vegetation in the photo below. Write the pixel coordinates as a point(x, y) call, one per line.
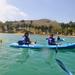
point(42, 26)
point(68, 28)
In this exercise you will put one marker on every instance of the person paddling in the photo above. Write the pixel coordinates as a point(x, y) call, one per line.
point(58, 38)
point(51, 40)
point(25, 39)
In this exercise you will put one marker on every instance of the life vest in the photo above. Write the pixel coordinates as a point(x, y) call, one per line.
point(51, 41)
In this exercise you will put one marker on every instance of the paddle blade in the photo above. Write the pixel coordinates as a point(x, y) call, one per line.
point(61, 64)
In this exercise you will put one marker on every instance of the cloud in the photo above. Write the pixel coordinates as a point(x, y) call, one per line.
point(10, 12)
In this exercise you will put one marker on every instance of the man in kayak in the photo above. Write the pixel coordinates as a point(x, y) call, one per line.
point(51, 40)
point(58, 38)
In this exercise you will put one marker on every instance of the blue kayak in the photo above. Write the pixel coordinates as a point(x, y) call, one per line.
point(62, 46)
point(36, 46)
point(39, 46)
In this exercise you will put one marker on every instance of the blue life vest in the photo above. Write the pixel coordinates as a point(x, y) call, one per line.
point(26, 40)
point(51, 41)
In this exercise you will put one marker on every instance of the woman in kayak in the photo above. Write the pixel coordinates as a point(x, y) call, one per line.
point(26, 40)
point(51, 40)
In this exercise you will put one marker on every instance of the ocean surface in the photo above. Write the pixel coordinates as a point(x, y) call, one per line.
point(19, 61)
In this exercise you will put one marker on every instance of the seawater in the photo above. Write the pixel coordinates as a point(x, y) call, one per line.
point(18, 61)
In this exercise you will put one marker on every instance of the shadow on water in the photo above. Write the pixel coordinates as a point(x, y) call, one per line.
point(23, 57)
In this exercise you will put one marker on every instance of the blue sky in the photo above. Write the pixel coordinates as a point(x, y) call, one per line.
point(59, 10)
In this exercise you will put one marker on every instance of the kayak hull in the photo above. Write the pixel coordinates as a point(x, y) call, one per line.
point(62, 46)
point(36, 46)
point(39, 46)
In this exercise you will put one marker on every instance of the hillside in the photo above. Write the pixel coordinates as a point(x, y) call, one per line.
point(41, 26)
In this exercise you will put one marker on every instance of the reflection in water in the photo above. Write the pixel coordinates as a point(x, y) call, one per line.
point(24, 56)
point(51, 56)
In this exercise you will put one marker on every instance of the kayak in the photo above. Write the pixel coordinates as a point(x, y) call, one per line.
point(39, 46)
point(62, 46)
point(36, 46)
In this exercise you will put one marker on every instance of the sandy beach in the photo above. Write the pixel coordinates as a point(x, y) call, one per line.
point(42, 34)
